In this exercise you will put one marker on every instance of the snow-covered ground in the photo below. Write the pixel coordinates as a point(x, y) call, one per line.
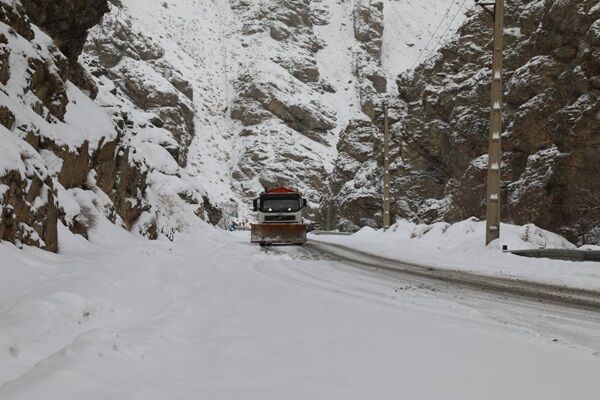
point(210, 316)
point(461, 246)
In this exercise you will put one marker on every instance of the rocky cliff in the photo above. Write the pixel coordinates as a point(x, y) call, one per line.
point(294, 105)
point(284, 122)
point(76, 147)
point(277, 82)
point(354, 181)
point(154, 104)
point(552, 125)
point(150, 113)
point(45, 149)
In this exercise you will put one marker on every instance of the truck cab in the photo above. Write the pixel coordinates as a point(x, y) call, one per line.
point(279, 214)
point(279, 208)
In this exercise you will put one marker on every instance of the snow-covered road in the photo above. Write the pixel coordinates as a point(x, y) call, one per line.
point(212, 317)
point(425, 273)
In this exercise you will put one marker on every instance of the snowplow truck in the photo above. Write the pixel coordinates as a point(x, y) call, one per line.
point(279, 218)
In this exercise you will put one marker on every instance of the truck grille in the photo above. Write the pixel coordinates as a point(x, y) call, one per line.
point(280, 218)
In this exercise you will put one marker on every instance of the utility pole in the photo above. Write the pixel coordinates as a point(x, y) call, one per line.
point(330, 215)
point(386, 168)
point(495, 148)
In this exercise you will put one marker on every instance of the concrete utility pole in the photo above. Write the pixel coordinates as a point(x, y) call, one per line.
point(495, 148)
point(386, 168)
point(330, 216)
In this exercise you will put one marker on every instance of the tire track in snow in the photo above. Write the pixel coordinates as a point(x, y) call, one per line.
point(402, 293)
point(526, 290)
point(516, 315)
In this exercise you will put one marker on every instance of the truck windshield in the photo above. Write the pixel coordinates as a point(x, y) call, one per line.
point(280, 205)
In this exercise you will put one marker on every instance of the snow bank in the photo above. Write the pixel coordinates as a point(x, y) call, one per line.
point(461, 246)
point(469, 235)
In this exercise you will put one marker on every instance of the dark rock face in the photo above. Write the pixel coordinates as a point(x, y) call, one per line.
point(66, 21)
point(551, 141)
point(18, 222)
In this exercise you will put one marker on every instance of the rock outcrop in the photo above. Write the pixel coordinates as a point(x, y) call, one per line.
point(135, 64)
point(285, 124)
point(355, 184)
point(66, 21)
point(77, 147)
point(46, 154)
point(551, 118)
point(153, 105)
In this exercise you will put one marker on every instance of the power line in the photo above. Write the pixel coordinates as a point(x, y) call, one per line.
point(449, 25)
point(433, 35)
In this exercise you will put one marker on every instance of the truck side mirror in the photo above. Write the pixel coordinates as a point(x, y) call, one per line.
point(304, 202)
point(255, 204)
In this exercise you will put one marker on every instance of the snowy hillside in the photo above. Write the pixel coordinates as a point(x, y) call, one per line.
point(440, 126)
point(205, 103)
point(193, 106)
point(276, 81)
point(79, 147)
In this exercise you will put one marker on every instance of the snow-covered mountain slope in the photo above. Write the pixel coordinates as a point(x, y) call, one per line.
point(141, 82)
point(53, 134)
point(77, 147)
point(414, 30)
point(275, 82)
point(197, 38)
point(191, 103)
point(440, 128)
point(219, 99)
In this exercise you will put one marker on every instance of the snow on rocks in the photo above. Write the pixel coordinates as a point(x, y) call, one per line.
point(280, 100)
point(70, 152)
point(551, 102)
point(135, 65)
point(154, 106)
point(275, 83)
point(382, 31)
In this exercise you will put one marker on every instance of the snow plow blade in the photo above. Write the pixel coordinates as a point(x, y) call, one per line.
point(266, 234)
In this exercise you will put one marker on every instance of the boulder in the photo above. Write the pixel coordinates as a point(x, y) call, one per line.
point(66, 21)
